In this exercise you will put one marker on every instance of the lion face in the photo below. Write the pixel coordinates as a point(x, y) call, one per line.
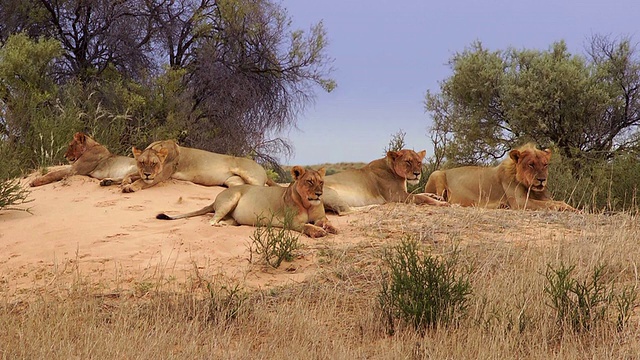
point(532, 167)
point(77, 147)
point(309, 184)
point(149, 162)
point(407, 164)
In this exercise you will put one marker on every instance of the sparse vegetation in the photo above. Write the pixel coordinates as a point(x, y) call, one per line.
point(274, 244)
point(12, 193)
point(583, 304)
point(335, 313)
point(422, 289)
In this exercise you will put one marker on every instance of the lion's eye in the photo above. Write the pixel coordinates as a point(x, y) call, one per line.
point(310, 182)
point(408, 162)
point(531, 165)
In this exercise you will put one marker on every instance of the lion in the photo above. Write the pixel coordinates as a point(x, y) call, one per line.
point(88, 157)
point(166, 159)
point(379, 182)
point(250, 205)
point(519, 182)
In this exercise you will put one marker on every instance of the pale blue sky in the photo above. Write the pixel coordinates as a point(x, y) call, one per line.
point(388, 54)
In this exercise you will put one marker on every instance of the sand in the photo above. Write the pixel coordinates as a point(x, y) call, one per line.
point(76, 227)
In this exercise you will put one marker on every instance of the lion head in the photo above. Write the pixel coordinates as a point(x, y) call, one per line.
point(531, 166)
point(77, 146)
point(407, 164)
point(308, 184)
point(149, 162)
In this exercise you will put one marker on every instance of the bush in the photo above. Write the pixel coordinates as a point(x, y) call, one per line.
point(584, 304)
point(12, 193)
point(274, 244)
point(423, 290)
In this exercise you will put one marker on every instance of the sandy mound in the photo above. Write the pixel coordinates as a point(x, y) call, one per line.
point(77, 226)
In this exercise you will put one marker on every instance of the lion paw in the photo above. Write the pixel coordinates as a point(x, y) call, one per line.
point(128, 189)
point(106, 182)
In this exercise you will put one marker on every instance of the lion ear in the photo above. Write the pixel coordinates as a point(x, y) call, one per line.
point(514, 155)
point(422, 154)
point(79, 137)
point(163, 153)
point(548, 152)
point(135, 152)
point(394, 154)
point(297, 172)
point(322, 171)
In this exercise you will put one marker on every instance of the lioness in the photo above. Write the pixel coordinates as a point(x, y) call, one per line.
point(519, 182)
point(381, 181)
point(165, 159)
point(88, 157)
point(246, 204)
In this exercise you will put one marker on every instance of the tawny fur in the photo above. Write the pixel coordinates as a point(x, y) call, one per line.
point(88, 157)
point(381, 181)
point(248, 204)
point(519, 182)
point(165, 159)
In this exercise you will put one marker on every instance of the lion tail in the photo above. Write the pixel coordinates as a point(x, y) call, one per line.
point(205, 210)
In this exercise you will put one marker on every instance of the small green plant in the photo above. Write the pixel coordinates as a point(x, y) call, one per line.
point(422, 289)
point(12, 193)
point(272, 243)
point(583, 304)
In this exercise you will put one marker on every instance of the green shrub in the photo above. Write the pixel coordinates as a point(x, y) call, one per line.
point(272, 243)
point(12, 193)
point(584, 304)
point(599, 186)
point(423, 290)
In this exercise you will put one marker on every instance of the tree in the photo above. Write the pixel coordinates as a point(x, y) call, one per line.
point(585, 106)
point(249, 82)
point(223, 75)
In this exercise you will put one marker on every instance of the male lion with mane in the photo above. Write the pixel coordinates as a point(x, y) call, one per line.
point(166, 159)
point(247, 204)
point(379, 182)
point(88, 157)
point(519, 182)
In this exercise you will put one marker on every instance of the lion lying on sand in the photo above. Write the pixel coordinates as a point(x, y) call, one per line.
point(519, 182)
point(88, 157)
point(166, 159)
point(381, 181)
point(246, 204)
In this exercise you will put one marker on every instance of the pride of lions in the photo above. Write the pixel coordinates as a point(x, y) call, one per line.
point(519, 182)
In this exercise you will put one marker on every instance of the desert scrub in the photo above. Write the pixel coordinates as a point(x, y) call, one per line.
point(582, 304)
point(422, 289)
point(12, 193)
point(274, 244)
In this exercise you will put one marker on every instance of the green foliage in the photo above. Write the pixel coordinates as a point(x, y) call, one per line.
point(235, 78)
point(423, 290)
point(584, 304)
point(600, 185)
point(274, 243)
point(497, 100)
point(12, 193)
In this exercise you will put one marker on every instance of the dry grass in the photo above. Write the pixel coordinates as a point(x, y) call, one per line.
point(335, 314)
